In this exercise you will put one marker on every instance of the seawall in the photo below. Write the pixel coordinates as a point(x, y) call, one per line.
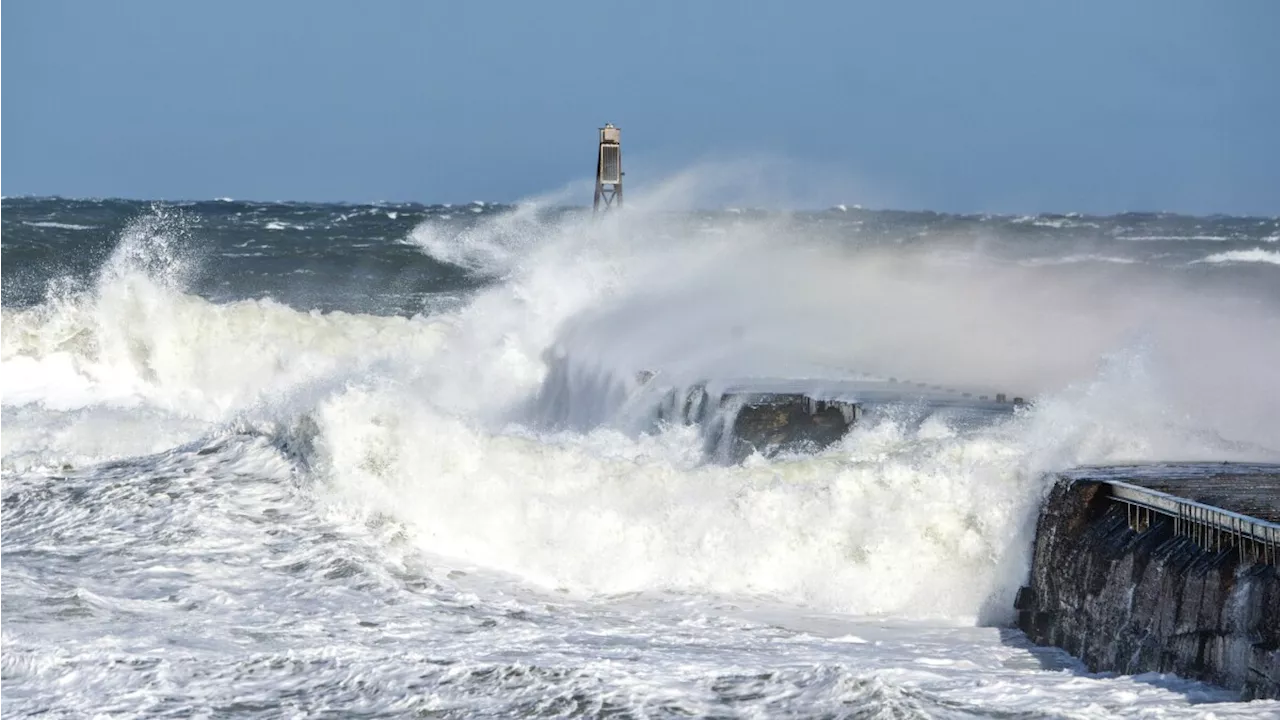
point(1166, 568)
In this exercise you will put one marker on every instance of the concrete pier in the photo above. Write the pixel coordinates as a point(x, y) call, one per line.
point(1165, 568)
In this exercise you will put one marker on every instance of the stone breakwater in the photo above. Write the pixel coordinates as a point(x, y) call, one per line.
point(1166, 583)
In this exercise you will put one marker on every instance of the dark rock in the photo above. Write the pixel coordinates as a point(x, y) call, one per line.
point(788, 423)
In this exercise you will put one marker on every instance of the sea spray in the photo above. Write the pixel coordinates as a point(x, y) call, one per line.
point(932, 523)
point(237, 501)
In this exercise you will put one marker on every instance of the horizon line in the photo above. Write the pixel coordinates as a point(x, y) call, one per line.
point(840, 207)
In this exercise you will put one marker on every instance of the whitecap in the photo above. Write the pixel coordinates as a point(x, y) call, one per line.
point(58, 225)
point(1254, 255)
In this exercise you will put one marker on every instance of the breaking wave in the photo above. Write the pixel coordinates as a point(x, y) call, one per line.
point(428, 420)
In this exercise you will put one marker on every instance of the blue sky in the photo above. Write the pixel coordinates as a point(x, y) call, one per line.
point(979, 107)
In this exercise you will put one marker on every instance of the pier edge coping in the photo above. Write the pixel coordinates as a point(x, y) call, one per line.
point(1192, 511)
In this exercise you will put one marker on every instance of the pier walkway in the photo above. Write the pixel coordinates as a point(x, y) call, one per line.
point(1218, 505)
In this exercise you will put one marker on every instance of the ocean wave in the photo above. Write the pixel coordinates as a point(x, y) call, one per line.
point(910, 517)
point(1085, 258)
point(136, 334)
point(58, 225)
point(428, 421)
point(489, 248)
point(904, 519)
point(1254, 255)
point(1163, 238)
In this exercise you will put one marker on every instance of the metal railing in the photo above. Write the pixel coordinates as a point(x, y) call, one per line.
point(1212, 528)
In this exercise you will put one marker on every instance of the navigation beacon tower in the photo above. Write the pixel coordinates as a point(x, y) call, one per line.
point(609, 168)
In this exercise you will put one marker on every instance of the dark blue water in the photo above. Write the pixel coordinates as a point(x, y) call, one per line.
point(329, 256)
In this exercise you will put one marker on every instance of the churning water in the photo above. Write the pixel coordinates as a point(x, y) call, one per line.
point(293, 459)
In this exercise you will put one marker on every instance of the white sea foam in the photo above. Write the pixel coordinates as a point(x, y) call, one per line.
point(356, 480)
point(1162, 238)
point(429, 401)
point(901, 520)
point(1069, 220)
point(1082, 258)
point(59, 225)
point(1254, 255)
point(490, 247)
point(135, 336)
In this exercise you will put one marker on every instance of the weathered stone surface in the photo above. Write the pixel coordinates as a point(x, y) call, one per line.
point(1133, 602)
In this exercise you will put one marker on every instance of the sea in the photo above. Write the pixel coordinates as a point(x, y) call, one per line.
point(282, 459)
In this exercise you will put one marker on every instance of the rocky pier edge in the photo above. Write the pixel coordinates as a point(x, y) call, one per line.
point(1165, 568)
